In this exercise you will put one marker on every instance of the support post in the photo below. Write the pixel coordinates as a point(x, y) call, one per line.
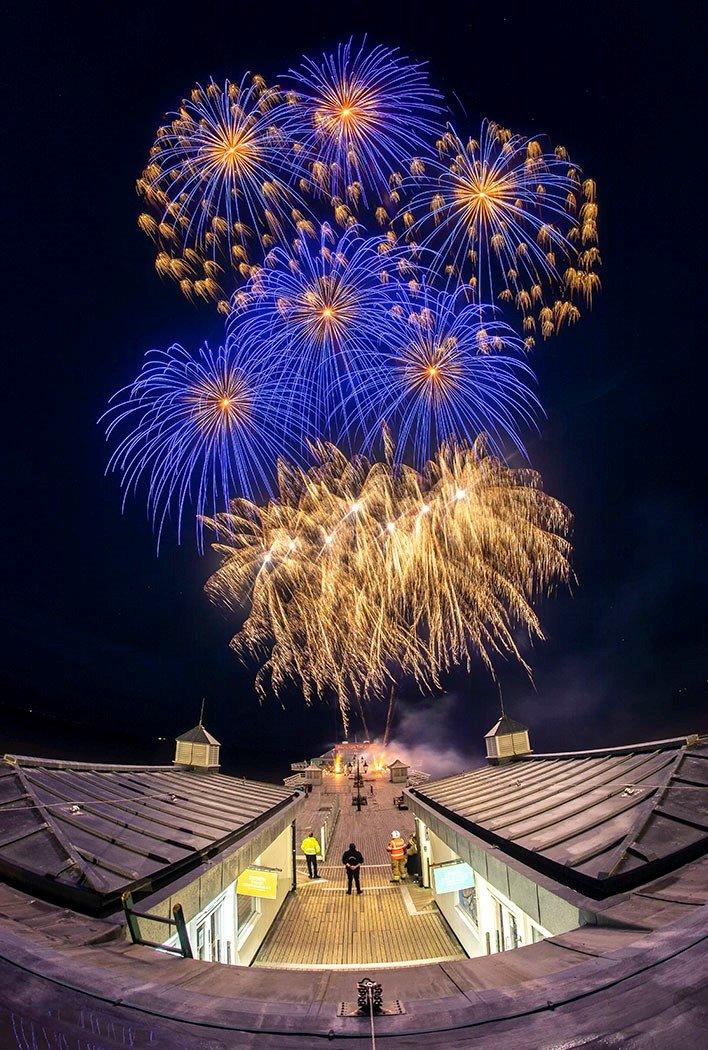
point(130, 918)
point(293, 847)
point(182, 931)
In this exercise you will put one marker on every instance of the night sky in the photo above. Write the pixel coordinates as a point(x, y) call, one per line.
point(107, 647)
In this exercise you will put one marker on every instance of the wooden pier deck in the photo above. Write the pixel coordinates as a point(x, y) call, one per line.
point(320, 926)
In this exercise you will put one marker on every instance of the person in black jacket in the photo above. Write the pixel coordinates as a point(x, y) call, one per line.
point(413, 865)
point(352, 861)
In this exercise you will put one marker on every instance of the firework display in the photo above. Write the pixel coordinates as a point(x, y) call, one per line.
point(382, 278)
point(358, 570)
point(379, 266)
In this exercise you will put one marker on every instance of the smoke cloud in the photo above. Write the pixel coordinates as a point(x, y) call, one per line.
point(422, 737)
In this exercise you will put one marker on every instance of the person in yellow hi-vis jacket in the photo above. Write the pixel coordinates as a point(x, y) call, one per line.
point(311, 848)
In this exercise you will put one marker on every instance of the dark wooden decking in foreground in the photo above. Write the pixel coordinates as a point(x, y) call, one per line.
point(320, 926)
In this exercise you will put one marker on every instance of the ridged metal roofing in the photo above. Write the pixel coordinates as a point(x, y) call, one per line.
point(601, 814)
point(94, 831)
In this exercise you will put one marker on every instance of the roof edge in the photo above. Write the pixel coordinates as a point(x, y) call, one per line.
point(670, 743)
point(33, 761)
point(99, 905)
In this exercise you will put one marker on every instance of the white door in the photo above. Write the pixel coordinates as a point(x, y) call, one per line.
point(209, 944)
point(424, 844)
point(507, 933)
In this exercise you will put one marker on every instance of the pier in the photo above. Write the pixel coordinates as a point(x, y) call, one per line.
point(320, 926)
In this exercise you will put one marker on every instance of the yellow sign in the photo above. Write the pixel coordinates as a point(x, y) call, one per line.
point(256, 882)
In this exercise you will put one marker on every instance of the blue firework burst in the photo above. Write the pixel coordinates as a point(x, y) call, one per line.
point(499, 212)
point(220, 183)
point(363, 115)
point(447, 370)
point(319, 312)
point(199, 428)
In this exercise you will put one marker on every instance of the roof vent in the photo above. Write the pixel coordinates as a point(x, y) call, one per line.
point(506, 740)
point(197, 749)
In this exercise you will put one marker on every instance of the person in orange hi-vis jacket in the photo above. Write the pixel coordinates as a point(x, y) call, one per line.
point(397, 852)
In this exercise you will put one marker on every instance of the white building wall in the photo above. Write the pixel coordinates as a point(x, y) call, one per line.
point(501, 924)
point(240, 945)
point(459, 921)
point(277, 855)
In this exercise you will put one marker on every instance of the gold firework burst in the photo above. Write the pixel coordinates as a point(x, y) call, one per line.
point(359, 572)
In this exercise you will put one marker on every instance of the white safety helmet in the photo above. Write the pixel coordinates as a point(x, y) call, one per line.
point(395, 834)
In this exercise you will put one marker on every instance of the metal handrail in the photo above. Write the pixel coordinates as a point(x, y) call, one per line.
point(132, 916)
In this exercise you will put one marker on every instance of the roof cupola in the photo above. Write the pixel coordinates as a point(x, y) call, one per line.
point(506, 740)
point(197, 749)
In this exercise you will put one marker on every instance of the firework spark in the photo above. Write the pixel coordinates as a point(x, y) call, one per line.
point(358, 572)
point(218, 182)
point(519, 224)
point(447, 369)
point(199, 429)
point(363, 116)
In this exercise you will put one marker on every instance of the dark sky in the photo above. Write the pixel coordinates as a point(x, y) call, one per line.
point(104, 641)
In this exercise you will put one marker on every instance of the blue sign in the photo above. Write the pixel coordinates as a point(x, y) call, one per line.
point(451, 877)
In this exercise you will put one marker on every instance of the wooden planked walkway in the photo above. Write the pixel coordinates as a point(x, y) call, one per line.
point(320, 926)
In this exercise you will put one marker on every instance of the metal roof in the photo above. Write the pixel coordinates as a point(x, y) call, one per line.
point(606, 818)
point(88, 832)
point(198, 735)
